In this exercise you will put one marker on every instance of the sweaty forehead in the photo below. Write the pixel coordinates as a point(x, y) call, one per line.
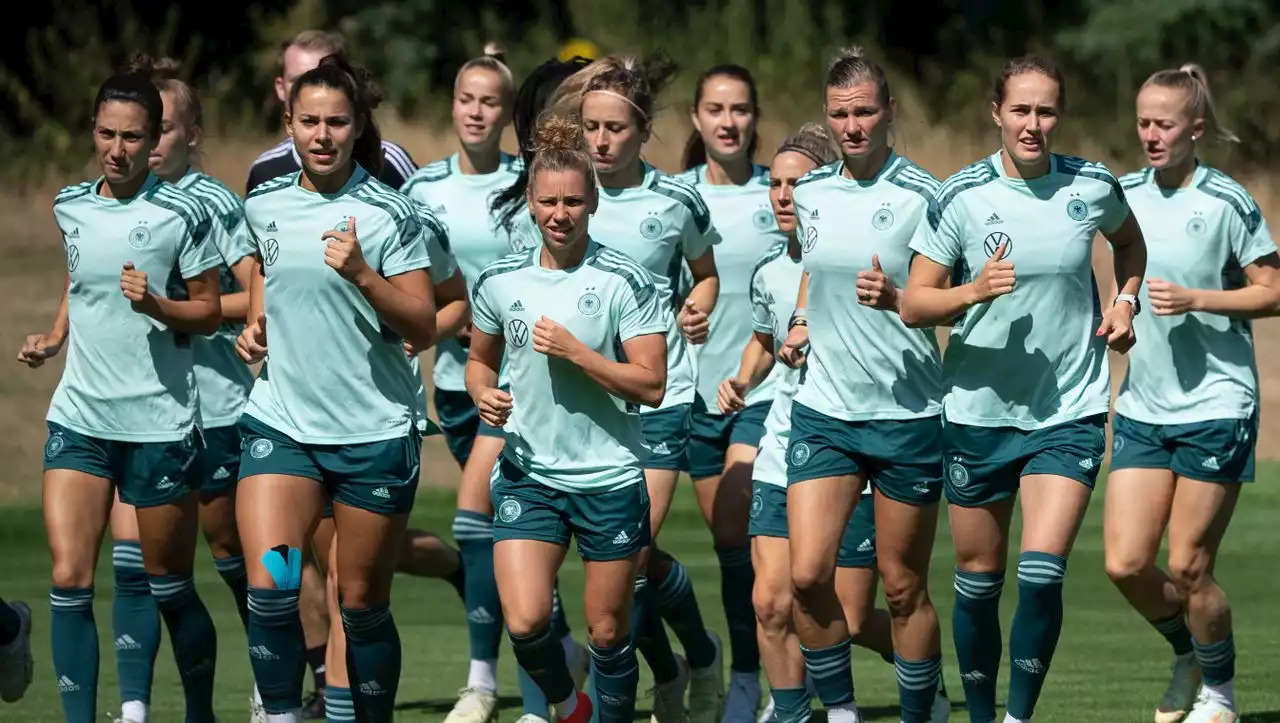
point(121, 115)
point(1031, 88)
point(790, 165)
point(858, 95)
point(605, 106)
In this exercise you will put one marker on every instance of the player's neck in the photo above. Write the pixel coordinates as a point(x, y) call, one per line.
point(329, 184)
point(628, 177)
point(122, 191)
point(729, 173)
point(566, 257)
point(865, 168)
point(1179, 176)
point(479, 161)
point(1025, 171)
point(177, 175)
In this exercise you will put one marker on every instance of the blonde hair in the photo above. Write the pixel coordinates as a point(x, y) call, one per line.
point(813, 141)
point(493, 60)
point(851, 66)
point(322, 41)
point(1191, 79)
point(628, 77)
point(558, 145)
point(163, 73)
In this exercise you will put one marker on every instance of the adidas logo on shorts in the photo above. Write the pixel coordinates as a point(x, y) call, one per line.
point(381, 492)
point(1086, 464)
point(866, 546)
point(1210, 463)
point(661, 448)
point(621, 539)
point(221, 473)
point(164, 483)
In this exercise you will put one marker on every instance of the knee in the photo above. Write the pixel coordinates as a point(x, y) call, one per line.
point(605, 631)
point(773, 604)
point(525, 623)
point(68, 574)
point(904, 590)
point(1124, 569)
point(810, 578)
point(1189, 570)
point(359, 594)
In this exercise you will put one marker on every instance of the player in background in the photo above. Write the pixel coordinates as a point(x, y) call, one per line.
point(1183, 443)
point(298, 54)
point(578, 319)
point(662, 223)
point(459, 190)
point(335, 318)
point(1027, 380)
point(17, 667)
point(868, 407)
point(719, 163)
point(120, 420)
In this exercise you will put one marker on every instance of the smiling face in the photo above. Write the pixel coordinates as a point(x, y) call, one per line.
point(480, 108)
point(788, 167)
point(1028, 117)
point(122, 140)
point(323, 127)
point(561, 201)
point(613, 132)
point(1166, 127)
point(859, 118)
point(725, 117)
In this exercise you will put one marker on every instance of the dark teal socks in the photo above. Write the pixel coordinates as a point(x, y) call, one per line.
point(1037, 624)
point(135, 623)
point(232, 571)
point(542, 657)
point(737, 578)
point(650, 636)
point(678, 606)
point(74, 636)
point(474, 534)
point(1217, 661)
point(276, 648)
point(1174, 629)
point(976, 629)
point(195, 642)
point(831, 671)
point(615, 675)
point(338, 705)
point(791, 705)
point(373, 661)
point(917, 687)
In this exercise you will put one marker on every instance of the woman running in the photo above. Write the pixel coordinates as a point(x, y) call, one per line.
point(1027, 380)
point(1184, 440)
point(659, 221)
point(124, 420)
point(722, 445)
point(340, 283)
point(585, 331)
point(868, 407)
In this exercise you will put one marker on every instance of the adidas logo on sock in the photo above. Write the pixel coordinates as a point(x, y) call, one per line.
point(974, 676)
point(1210, 463)
point(994, 219)
point(621, 539)
point(517, 306)
point(372, 688)
point(480, 616)
point(271, 227)
point(125, 642)
point(866, 545)
point(381, 492)
point(221, 473)
point(67, 685)
point(262, 652)
point(1030, 665)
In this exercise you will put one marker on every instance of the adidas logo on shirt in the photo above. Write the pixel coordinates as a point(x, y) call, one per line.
point(381, 492)
point(271, 227)
point(262, 652)
point(1210, 463)
point(994, 219)
point(124, 642)
point(67, 685)
point(481, 616)
point(813, 215)
point(1030, 665)
point(517, 306)
point(866, 546)
point(621, 539)
point(221, 473)
point(75, 233)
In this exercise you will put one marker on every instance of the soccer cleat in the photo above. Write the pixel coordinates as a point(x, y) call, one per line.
point(742, 699)
point(531, 718)
point(313, 706)
point(1211, 709)
point(581, 714)
point(1180, 696)
point(17, 667)
point(124, 720)
point(941, 711)
point(706, 687)
point(579, 665)
point(475, 705)
point(668, 698)
point(768, 716)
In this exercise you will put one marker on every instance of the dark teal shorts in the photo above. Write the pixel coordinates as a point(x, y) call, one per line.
point(710, 436)
point(666, 432)
point(461, 423)
point(903, 458)
point(146, 474)
point(218, 464)
point(769, 519)
point(608, 525)
point(1221, 450)
point(986, 464)
point(380, 477)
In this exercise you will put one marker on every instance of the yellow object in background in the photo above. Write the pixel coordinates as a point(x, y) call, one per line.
point(579, 47)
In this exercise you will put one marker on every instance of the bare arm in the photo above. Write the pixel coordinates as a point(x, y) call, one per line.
point(200, 313)
point(235, 306)
point(404, 302)
point(453, 310)
point(694, 316)
point(1261, 298)
point(39, 347)
point(1130, 255)
point(641, 379)
point(481, 375)
point(757, 360)
point(930, 299)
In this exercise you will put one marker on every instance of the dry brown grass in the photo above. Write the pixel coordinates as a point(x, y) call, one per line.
point(33, 273)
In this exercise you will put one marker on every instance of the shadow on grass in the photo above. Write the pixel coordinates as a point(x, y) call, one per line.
point(1265, 716)
point(444, 706)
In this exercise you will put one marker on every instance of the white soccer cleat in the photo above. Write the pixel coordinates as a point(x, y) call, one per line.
point(1180, 696)
point(17, 667)
point(706, 687)
point(475, 705)
point(257, 714)
point(767, 716)
point(742, 698)
point(668, 698)
point(1212, 709)
point(531, 718)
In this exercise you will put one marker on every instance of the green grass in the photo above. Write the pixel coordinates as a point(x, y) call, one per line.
point(1110, 666)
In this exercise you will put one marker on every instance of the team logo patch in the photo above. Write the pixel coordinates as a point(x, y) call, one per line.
point(993, 241)
point(762, 219)
point(589, 304)
point(800, 454)
point(1196, 227)
point(1078, 210)
point(509, 511)
point(882, 220)
point(54, 446)
point(73, 258)
point(140, 237)
point(261, 448)
point(757, 504)
point(517, 332)
point(341, 226)
point(1117, 446)
point(958, 475)
point(651, 228)
point(270, 251)
point(810, 239)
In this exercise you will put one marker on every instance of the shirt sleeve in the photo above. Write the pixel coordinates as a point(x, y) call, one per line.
point(198, 252)
point(482, 316)
point(938, 237)
point(232, 237)
point(443, 264)
point(1114, 207)
point(639, 312)
point(1250, 236)
point(407, 250)
point(699, 233)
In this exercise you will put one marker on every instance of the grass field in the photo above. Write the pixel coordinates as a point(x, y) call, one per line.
point(1110, 667)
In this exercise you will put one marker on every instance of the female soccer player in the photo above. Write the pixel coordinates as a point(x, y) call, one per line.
point(585, 332)
point(868, 407)
point(722, 446)
point(1183, 441)
point(1027, 378)
point(657, 220)
point(340, 283)
point(120, 419)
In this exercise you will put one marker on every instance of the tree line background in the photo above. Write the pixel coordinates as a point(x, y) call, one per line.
point(941, 57)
